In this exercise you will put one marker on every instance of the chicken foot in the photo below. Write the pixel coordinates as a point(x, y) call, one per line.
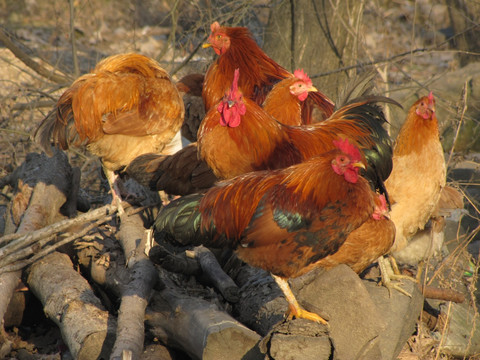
point(113, 179)
point(294, 308)
point(391, 279)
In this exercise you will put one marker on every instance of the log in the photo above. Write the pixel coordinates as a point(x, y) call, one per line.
point(214, 273)
point(136, 294)
point(199, 327)
point(87, 329)
point(42, 185)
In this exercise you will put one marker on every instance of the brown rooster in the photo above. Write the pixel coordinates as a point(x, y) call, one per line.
point(284, 221)
point(127, 106)
point(237, 49)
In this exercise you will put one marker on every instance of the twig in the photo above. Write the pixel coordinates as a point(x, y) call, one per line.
point(18, 265)
point(463, 110)
point(76, 70)
point(27, 60)
point(55, 228)
point(430, 292)
point(443, 331)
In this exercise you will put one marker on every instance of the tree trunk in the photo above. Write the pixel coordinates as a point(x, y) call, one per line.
point(318, 36)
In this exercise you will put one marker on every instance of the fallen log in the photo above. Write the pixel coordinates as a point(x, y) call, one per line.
point(199, 327)
point(39, 195)
point(87, 329)
point(136, 293)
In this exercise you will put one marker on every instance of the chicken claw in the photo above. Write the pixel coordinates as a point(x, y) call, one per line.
point(294, 308)
point(390, 279)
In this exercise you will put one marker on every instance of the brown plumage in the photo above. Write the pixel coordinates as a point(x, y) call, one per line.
point(237, 49)
point(178, 174)
point(125, 107)
point(190, 87)
point(284, 221)
point(367, 243)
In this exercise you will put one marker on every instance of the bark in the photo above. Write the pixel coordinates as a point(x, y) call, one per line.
point(69, 301)
point(136, 294)
point(316, 35)
point(199, 327)
point(214, 274)
point(41, 184)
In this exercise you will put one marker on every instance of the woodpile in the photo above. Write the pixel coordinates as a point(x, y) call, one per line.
point(94, 276)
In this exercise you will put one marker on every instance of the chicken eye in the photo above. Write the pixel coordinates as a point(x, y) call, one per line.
point(219, 37)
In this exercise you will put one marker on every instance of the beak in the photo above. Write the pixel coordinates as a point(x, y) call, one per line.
point(359, 164)
point(206, 45)
point(312, 89)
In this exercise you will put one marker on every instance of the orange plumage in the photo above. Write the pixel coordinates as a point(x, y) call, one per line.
point(419, 171)
point(125, 107)
point(284, 221)
point(237, 49)
point(239, 136)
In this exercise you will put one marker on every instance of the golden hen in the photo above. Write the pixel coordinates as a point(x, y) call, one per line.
point(127, 106)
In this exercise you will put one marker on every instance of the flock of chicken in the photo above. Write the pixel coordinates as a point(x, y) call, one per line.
point(277, 171)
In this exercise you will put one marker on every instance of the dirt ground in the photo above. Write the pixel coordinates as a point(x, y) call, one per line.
point(170, 31)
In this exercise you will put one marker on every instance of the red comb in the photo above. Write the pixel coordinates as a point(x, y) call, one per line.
point(214, 27)
point(348, 148)
point(302, 75)
point(236, 75)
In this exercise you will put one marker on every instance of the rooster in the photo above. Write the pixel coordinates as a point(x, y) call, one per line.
point(237, 49)
point(183, 173)
point(240, 137)
point(127, 106)
point(289, 219)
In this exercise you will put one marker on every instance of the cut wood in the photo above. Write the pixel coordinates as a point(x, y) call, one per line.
point(214, 273)
point(136, 294)
point(199, 328)
point(87, 329)
point(41, 186)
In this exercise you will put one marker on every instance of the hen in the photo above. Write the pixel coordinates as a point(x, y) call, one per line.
point(419, 172)
point(284, 221)
point(127, 106)
point(237, 49)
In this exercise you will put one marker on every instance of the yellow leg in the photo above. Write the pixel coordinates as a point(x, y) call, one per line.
point(390, 279)
point(116, 195)
point(295, 310)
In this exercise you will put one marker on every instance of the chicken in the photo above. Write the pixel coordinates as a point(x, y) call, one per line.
point(284, 221)
point(237, 49)
point(190, 87)
point(241, 137)
point(127, 106)
point(238, 136)
point(183, 173)
point(367, 243)
point(419, 172)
